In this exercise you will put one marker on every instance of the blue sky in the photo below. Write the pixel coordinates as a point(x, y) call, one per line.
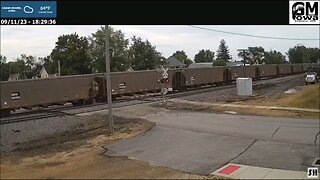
point(40, 40)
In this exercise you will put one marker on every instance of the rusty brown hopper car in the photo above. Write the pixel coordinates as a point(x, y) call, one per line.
point(284, 69)
point(297, 68)
point(134, 82)
point(220, 74)
point(242, 71)
point(46, 91)
point(310, 65)
point(203, 76)
point(306, 66)
point(267, 70)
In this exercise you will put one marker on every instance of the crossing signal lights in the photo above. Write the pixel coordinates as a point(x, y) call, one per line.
point(164, 80)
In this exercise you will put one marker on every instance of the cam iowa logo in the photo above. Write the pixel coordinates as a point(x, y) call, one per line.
point(304, 12)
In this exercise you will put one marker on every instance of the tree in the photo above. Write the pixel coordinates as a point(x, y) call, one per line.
point(72, 51)
point(4, 68)
point(256, 55)
point(223, 51)
point(245, 55)
point(274, 57)
point(32, 66)
point(204, 56)
point(313, 55)
point(181, 56)
point(18, 67)
point(219, 63)
point(298, 54)
point(143, 55)
point(118, 49)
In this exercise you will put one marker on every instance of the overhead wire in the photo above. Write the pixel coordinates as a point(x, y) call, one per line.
point(256, 36)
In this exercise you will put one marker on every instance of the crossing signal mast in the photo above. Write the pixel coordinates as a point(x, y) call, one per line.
point(164, 80)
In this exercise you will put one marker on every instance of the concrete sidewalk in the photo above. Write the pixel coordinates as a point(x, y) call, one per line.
point(242, 106)
point(238, 171)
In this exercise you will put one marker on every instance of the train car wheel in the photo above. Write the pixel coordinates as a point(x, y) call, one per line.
point(80, 102)
point(5, 112)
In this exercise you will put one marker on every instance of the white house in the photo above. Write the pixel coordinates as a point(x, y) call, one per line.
point(44, 73)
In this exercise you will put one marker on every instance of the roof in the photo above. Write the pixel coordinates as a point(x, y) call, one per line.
point(174, 62)
point(13, 77)
point(236, 63)
point(200, 65)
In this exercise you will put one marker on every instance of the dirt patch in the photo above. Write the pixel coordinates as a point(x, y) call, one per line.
point(305, 97)
point(274, 88)
point(268, 94)
point(239, 110)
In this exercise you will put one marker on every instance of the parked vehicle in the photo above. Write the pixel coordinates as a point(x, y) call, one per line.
point(312, 75)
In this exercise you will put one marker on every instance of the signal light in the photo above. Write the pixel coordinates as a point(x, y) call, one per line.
point(163, 80)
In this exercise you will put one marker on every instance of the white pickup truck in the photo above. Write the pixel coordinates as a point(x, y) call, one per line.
point(312, 75)
point(311, 78)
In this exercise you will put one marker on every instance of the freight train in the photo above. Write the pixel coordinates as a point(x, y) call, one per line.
point(85, 89)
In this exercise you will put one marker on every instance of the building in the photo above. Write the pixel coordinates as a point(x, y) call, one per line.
point(201, 65)
point(173, 63)
point(130, 69)
point(13, 77)
point(44, 73)
point(236, 63)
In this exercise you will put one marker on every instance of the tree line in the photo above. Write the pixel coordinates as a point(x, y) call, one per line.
point(85, 55)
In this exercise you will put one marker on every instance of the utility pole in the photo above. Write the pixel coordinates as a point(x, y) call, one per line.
point(59, 68)
point(109, 98)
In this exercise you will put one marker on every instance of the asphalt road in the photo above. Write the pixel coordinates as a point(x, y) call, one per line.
point(203, 142)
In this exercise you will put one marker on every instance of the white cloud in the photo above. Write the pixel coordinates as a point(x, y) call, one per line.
point(40, 40)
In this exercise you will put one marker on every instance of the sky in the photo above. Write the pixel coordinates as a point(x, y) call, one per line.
point(40, 40)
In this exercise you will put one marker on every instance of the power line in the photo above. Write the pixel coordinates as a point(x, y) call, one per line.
point(256, 36)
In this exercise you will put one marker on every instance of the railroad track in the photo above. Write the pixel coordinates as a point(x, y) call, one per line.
point(128, 101)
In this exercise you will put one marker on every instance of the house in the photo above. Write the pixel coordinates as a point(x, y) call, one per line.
point(236, 63)
point(173, 63)
point(201, 65)
point(14, 77)
point(130, 69)
point(44, 73)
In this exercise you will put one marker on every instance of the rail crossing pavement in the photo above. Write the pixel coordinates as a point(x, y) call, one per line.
point(202, 143)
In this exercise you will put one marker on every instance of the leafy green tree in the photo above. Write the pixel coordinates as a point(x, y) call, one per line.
point(274, 57)
point(298, 54)
point(219, 63)
point(18, 67)
point(32, 66)
point(4, 68)
point(118, 50)
point(72, 51)
point(223, 52)
point(143, 55)
point(313, 55)
point(182, 56)
point(256, 55)
point(245, 55)
point(204, 56)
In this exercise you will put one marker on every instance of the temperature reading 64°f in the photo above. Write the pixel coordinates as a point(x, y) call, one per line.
point(45, 8)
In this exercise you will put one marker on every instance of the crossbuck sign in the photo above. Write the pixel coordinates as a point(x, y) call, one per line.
point(165, 73)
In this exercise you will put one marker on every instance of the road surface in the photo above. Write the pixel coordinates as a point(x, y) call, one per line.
point(203, 142)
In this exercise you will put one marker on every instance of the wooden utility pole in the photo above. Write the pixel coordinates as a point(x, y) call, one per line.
point(109, 96)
